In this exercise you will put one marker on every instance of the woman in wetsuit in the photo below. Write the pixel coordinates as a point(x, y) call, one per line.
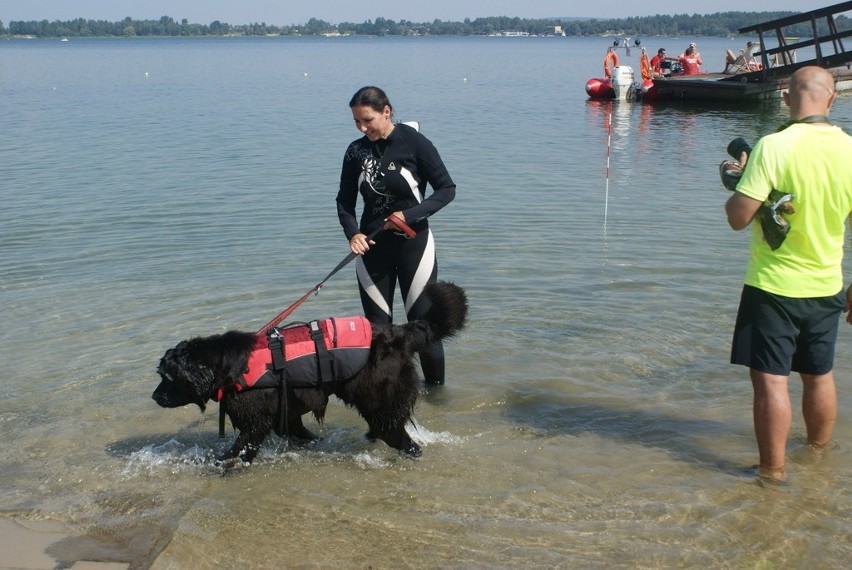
point(390, 167)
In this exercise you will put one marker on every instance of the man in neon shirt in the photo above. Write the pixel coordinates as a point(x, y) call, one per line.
point(793, 295)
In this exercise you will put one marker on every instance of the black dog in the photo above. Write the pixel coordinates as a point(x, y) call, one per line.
point(384, 391)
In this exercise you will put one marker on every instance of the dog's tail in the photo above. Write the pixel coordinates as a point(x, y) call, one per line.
point(446, 316)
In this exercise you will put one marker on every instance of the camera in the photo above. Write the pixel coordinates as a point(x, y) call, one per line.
point(730, 170)
point(773, 224)
point(738, 146)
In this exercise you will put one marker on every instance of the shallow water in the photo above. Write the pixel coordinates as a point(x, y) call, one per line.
point(154, 190)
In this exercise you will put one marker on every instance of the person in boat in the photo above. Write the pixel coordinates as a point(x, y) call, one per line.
point(390, 167)
point(791, 302)
point(694, 47)
point(690, 61)
point(660, 64)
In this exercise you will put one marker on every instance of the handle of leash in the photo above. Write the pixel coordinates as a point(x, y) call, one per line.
point(402, 226)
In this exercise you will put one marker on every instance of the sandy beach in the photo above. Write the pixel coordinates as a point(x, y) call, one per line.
point(38, 546)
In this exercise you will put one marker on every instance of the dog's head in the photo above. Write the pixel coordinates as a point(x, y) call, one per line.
point(194, 370)
point(184, 377)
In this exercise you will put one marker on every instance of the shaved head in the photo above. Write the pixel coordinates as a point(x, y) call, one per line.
point(811, 92)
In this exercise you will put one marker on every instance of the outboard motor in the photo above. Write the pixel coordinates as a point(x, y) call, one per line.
point(622, 83)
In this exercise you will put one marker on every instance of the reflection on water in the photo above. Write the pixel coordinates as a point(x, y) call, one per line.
point(590, 417)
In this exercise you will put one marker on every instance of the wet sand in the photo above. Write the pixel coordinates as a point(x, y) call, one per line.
point(25, 545)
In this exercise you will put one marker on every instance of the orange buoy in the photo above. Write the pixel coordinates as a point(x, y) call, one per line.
point(611, 56)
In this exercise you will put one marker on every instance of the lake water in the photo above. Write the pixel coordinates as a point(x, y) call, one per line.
point(159, 189)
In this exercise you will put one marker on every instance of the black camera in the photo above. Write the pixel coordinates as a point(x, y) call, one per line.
point(730, 170)
point(738, 146)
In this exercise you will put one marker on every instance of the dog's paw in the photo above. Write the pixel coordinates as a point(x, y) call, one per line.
point(226, 463)
point(409, 449)
point(412, 450)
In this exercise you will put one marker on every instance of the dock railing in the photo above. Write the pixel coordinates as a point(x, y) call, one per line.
point(828, 47)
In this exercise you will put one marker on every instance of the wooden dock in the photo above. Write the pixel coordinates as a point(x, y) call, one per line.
point(777, 63)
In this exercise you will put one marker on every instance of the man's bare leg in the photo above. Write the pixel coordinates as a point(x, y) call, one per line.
point(819, 407)
point(773, 418)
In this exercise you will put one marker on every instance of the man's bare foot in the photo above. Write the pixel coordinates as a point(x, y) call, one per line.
point(773, 475)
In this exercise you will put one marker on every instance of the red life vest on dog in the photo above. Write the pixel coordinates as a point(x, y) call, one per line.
point(347, 346)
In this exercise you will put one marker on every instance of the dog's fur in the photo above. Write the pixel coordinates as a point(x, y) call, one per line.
point(384, 391)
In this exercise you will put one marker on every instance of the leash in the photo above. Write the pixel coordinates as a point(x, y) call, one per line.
point(403, 227)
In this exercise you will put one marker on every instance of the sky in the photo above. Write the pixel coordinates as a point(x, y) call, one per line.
point(288, 12)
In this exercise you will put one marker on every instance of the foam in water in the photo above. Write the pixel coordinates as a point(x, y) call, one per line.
point(172, 456)
point(427, 437)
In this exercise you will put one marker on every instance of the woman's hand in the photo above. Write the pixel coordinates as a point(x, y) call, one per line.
point(389, 225)
point(360, 244)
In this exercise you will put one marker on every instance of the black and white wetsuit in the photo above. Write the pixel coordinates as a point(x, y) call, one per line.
point(391, 175)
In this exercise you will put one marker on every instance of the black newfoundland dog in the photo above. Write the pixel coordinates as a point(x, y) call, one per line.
point(383, 390)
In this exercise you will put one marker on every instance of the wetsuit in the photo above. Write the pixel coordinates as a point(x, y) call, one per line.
point(391, 175)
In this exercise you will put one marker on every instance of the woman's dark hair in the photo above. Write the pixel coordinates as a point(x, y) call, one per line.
point(372, 97)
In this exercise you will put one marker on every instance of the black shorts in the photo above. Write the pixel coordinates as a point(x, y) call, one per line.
point(777, 334)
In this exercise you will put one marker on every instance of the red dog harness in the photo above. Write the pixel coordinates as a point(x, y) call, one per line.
point(330, 350)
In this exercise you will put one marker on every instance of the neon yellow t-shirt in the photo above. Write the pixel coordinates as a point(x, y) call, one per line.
point(814, 163)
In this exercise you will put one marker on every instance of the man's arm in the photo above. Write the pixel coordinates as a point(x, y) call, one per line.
point(741, 210)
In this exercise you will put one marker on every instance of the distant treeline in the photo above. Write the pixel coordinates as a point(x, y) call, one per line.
point(718, 24)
